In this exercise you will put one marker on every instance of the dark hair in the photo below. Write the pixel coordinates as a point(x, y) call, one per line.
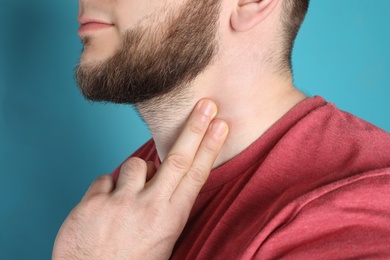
point(294, 12)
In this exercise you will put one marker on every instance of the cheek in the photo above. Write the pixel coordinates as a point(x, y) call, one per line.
point(128, 17)
point(132, 13)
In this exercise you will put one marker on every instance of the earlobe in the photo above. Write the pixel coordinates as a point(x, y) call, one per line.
point(249, 13)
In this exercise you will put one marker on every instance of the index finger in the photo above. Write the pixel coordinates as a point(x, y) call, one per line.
point(181, 156)
point(192, 182)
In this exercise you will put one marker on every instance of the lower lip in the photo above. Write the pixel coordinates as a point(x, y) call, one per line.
point(91, 27)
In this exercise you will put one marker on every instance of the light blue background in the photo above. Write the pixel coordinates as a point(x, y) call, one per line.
point(53, 144)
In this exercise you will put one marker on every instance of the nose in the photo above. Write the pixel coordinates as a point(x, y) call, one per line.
point(95, 8)
point(81, 8)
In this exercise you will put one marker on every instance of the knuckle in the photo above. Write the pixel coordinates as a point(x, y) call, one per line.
point(133, 164)
point(88, 202)
point(132, 169)
point(209, 147)
point(96, 185)
point(102, 179)
point(178, 162)
point(198, 175)
point(197, 127)
point(91, 203)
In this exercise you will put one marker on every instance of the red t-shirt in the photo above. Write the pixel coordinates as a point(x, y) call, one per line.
point(316, 185)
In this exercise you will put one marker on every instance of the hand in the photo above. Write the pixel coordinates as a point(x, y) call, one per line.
point(141, 219)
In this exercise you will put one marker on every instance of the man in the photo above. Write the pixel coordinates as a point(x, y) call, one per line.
point(295, 177)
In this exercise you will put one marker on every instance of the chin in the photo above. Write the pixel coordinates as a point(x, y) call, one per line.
point(94, 52)
point(90, 58)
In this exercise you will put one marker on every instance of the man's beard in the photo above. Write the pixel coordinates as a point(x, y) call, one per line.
point(158, 60)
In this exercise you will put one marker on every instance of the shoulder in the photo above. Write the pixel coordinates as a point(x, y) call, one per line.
point(345, 219)
point(329, 145)
point(335, 194)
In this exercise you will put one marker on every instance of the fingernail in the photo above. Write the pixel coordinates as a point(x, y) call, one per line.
point(207, 108)
point(219, 128)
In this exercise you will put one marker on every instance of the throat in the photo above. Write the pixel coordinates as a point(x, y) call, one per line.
point(165, 117)
point(248, 115)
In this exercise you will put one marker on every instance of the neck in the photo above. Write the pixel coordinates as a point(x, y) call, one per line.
point(250, 106)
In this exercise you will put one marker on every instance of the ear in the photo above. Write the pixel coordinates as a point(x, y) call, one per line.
point(249, 13)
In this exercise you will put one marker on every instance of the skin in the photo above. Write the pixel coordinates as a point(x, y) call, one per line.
point(242, 80)
point(143, 216)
